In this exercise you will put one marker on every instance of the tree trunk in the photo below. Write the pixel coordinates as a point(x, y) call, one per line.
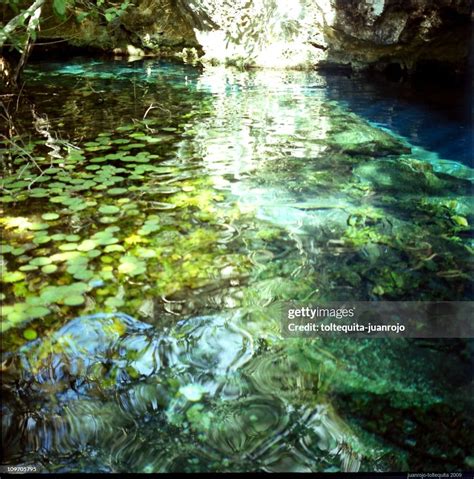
point(10, 73)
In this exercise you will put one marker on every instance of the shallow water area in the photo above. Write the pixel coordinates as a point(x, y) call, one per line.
point(157, 216)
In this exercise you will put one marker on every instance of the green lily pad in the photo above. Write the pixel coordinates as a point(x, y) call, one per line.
point(114, 248)
point(66, 256)
point(109, 209)
point(146, 229)
point(41, 261)
point(5, 248)
point(30, 334)
point(74, 300)
point(114, 302)
point(38, 226)
point(145, 253)
point(78, 207)
point(107, 259)
point(41, 239)
point(28, 267)
point(58, 237)
point(59, 199)
point(72, 238)
point(125, 128)
point(68, 246)
point(104, 238)
point(106, 220)
point(87, 245)
point(116, 191)
point(49, 269)
point(20, 313)
point(84, 275)
point(39, 192)
point(132, 146)
point(131, 266)
point(50, 216)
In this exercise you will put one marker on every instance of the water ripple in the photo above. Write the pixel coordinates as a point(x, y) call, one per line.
point(110, 390)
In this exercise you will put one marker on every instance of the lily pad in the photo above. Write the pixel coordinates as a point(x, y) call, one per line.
point(50, 216)
point(41, 261)
point(38, 226)
point(116, 191)
point(107, 219)
point(114, 248)
point(30, 334)
point(109, 209)
point(131, 266)
point(87, 245)
point(72, 238)
point(49, 269)
point(68, 246)
point(74, 300)
point(28, 267)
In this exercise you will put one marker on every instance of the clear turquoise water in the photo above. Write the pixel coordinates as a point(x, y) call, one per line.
point(227, 194)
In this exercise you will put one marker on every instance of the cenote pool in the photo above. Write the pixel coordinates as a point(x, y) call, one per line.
point(157, 216)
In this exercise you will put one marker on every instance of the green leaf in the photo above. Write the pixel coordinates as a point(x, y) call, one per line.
point(59, 7)
point(131, 266)
point(74, 300)
point(109, 209)
point(116, 191)
point(41, 261)
point(12, 277)
point(81, 16)
point(460, 220)
point(109, 16)
point(50, 216)
point(30, 334)
point(87, 245)
point(49, 268)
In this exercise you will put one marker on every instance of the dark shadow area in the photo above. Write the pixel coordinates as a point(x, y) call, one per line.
point(413, 108)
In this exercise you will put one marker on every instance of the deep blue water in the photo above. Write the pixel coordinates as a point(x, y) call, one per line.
point(436, 118)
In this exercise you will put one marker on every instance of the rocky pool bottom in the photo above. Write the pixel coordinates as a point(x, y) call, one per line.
point(156, 217)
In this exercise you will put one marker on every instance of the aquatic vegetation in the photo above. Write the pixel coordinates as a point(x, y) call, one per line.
point(112, 254)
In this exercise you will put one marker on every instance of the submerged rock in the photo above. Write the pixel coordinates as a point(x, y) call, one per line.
point(109, 393)
point(408, 394)
point(360, 139)
point(408, 177)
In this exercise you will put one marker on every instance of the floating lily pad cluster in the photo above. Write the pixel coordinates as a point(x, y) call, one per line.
point(79, 228)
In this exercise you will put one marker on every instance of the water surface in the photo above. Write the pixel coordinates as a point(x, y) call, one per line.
point(157, 216)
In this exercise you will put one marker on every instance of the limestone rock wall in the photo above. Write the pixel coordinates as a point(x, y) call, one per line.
point(359, 33)
point(287, 33)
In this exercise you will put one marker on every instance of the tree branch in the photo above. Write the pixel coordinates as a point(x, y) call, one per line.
point(15, 22)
